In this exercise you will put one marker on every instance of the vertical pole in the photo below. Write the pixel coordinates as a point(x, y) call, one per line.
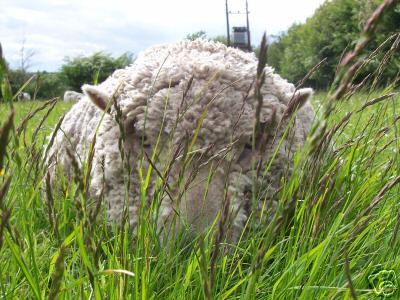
point(227, 23)
point(248, 27)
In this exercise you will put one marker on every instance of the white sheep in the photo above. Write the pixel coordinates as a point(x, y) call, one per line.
point(24, 96)
point(72, 96)
point(194, 94)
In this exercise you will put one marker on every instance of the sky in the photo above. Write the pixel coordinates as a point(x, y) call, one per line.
point(55, 29)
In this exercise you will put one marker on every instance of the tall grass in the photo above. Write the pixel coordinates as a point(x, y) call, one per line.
point(334, 234)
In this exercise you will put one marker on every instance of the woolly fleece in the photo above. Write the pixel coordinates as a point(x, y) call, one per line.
point(220, 98)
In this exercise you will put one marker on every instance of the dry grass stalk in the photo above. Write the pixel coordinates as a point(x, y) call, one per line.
point(223, 223)
point(265, 136)
point(260, 78)
point(286, 215)
point(186, 91)
point(5, 212)
point(345, 83)
point(52, 104)
point(294, 104)
point(57, 276)
point(203, 268)
point(95, 212)
point(3, 191)
point(52, 215)
point(243, 105)
point(348, 275)
point(167, 187)
point(4, 133)
point(6, 180)
point(310, 73)
point(52, 138)
point(376, 100)
point(386, 59)
point(326, 139)
point(5, 217)
point(89, 164)
point(78, 178)
point(366, 213)
point(396, 230)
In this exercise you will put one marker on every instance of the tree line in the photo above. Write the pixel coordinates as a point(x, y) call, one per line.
point(333, 29)
point(76, 71)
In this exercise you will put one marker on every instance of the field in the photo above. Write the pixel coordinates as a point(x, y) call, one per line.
point(334, 236)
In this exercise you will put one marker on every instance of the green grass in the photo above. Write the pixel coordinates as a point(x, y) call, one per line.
point(338, 236)
point(22, 109)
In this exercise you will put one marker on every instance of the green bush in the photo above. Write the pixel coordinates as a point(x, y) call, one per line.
point(42, 85)
point(49, 85)
point(203, 35)
point(92, 69)
point(73, 74)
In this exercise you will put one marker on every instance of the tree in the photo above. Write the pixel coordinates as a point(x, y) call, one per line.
point(196, 35)
point(48, 85)
point(26, 57)
point(220, 38)
point(18, 77)
point(275, 50)
point(203, 35)
point(334, 27)
point(92, 69)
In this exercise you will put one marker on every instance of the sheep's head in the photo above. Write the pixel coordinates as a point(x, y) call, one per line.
point(204, 142)
point(195, 174)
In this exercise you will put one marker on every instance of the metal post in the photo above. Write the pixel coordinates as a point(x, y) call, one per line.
point(227, 23)
point(248, 27)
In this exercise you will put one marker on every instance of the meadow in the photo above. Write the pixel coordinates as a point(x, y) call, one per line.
point(335, 234)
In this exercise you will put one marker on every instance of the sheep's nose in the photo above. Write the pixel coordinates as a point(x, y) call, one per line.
point(203, 198)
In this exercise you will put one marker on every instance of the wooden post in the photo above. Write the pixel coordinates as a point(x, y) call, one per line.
point(227, 24)
point(248, 27)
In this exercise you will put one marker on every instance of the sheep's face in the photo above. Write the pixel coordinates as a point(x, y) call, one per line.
point(202, 176)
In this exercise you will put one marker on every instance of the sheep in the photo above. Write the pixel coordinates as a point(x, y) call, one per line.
point(72, 96)
point(194, 95)
point(24, 96)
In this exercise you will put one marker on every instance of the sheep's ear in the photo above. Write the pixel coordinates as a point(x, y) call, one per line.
point(303, 95)
point(96, 96)
point(297, 100)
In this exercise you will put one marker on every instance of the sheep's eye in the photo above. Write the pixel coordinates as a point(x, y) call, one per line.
point(244, 158)
point(145, 141)
point(248, 146)
point(129, 127)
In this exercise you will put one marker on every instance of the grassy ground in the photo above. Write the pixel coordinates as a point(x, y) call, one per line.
point(335, 234)
point(22, 109)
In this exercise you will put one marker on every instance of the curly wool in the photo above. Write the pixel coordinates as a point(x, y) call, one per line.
point(164, 96)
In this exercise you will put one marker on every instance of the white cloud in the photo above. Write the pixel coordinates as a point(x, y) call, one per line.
point(59, 28)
